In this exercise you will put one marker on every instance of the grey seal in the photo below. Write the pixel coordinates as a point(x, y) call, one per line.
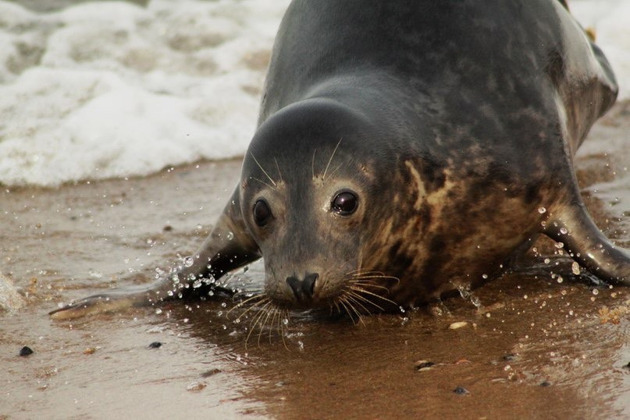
point(406, 149)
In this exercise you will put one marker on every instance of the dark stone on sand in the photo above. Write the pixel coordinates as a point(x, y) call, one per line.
point(509, 357)
point(460, 390)
point(545, 384)
point(26, 351)
point(155, 345)
point(210, 373)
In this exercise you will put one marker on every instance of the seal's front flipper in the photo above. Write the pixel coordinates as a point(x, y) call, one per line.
point(228, 247)
point(588, 246)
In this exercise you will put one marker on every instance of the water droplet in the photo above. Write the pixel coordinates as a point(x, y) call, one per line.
point(285, 321)
point(197, 284)
point(158, 311)
point(564, 231)
point(189, 261)
point(542, 210)
point(559, 245)
point(547, 261)
point(484, 276)
point(595, 292)
point(230, 236)
point(559, 279)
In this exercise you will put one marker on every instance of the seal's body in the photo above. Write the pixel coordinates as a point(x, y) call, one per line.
point(408, 148)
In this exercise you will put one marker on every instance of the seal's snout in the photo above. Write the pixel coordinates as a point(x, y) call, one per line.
point(303, 289)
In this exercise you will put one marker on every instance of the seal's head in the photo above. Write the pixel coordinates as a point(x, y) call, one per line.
point(305, 196)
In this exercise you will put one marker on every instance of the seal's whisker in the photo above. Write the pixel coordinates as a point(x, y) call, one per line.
point(331, 158)
point(334, 171)
point(313, 163)
point(357, 295)
point(347, 304)
point(260, 298)
point(278, 168)
point(360, 275)
point(335, 305)
point(251, 308)
point(376, 295)
point(275, 314)
point(357, 299)
point(372, 277)
point(256, 320)
point(264, 183)
point(369, 284)
point(270, 311)
point(263, 170)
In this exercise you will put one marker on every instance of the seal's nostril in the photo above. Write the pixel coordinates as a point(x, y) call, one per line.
point(303, 289)
point(295, 286)
point(308, 285)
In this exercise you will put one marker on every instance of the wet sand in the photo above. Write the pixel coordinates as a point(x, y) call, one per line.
point(535, 348)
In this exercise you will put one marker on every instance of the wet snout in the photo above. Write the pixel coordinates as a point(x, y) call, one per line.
point(303, 288)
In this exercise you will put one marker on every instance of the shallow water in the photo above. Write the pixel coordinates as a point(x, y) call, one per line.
point(536, 348)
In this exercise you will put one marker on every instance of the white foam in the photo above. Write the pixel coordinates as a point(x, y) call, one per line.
point(112, 89)
point(611, 21)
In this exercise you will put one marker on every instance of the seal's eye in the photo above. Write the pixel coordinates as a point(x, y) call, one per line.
point(345, 203)
point(262, 213)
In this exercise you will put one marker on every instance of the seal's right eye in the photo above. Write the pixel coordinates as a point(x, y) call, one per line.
point(262, 213)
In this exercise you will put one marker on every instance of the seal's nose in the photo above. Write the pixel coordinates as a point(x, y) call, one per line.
point(303, 289)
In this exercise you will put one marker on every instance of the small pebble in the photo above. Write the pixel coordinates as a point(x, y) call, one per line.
point(196, 386)
point(458, 325)
point(167, 228)
point(461, 391)
point(26, 351)
point(627, 366)
point(89, 350)
point(423, 365)
point(509, 357)
point(155, 345)
point(545, 384)
point(210, 373)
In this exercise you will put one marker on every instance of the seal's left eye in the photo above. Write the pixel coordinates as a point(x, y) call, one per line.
point(345, 203)
point(262, 213)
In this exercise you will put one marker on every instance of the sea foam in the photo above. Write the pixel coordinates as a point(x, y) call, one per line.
point(113, 89)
